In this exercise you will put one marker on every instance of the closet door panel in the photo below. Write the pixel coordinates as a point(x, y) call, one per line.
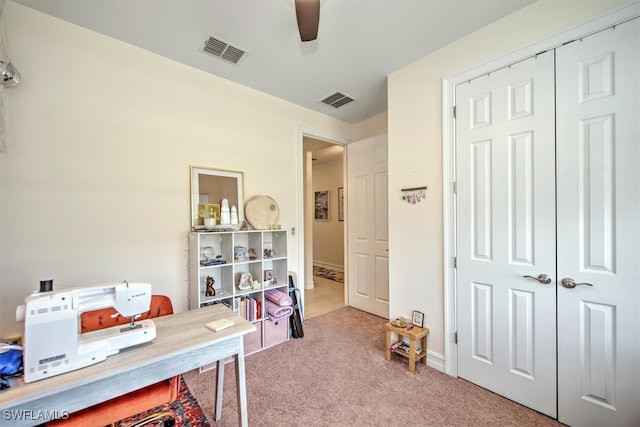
point(506, 230)
point(598, 209)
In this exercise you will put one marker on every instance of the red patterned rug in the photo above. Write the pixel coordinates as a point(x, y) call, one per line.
point(185, 411)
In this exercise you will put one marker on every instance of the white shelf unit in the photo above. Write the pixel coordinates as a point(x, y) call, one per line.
point(269, 261)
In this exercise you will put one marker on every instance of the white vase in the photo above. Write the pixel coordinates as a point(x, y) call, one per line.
point(225, 216)
point(234, 215)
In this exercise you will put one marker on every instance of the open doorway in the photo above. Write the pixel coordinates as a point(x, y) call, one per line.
point(324, 284)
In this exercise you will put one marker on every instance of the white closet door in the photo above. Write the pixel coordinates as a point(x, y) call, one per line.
point(598, 179)
point(506, 230)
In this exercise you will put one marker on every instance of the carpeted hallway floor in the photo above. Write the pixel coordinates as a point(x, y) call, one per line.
point(337, 376)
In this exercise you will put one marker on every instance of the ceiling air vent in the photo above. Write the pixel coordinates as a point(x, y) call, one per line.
point(337, 100)
point(217, 47)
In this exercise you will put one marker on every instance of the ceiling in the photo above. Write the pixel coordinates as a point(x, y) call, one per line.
point(359, 42)
point(322, 152)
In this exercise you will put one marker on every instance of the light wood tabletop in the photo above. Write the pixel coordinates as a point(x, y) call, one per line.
point(182, 343)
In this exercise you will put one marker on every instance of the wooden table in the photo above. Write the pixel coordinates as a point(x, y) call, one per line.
point(182, 343)
point(414, 334)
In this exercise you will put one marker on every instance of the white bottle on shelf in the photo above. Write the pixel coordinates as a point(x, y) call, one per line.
point(225, 216)
point(234, 215)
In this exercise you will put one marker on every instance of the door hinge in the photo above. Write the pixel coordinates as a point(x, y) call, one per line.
point(454, 111)
point(455, 337)
point(455, 187)
point(455, 262)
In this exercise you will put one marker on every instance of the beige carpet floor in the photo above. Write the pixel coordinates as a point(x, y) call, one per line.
point(337, 376)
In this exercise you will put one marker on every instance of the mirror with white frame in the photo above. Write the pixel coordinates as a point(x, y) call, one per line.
point(208, 188)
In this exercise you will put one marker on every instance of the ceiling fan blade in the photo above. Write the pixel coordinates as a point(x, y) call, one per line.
point(308, 15)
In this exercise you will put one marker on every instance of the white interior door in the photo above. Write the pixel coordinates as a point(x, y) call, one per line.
point(367, 226)
point(599, 228)
point(505, 231)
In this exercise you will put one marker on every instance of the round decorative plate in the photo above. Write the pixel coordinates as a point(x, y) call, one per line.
point(262, 212)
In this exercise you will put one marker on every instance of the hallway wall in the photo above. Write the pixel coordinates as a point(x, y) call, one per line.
point(328, 235)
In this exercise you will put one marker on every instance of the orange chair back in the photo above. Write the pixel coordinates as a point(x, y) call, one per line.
point(104, 318)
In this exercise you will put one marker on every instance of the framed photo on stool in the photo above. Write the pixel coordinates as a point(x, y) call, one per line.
point(418, 318)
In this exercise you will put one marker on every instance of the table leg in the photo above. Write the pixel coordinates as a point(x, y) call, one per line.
point(424, 350)
point(241, 386)
point(219, 388)
point(412, 355)
point(387, 350)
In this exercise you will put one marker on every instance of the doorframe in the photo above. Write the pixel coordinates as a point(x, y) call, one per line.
point(594, 25)
point(332, 138)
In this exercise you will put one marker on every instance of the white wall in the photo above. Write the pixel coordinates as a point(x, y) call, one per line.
point(94, 183)
point(415, 150)
point(373, 126)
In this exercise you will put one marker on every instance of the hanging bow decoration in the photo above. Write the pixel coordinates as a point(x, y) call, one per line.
point(414, 195)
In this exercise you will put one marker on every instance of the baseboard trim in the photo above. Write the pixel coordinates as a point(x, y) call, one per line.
point(435, 361)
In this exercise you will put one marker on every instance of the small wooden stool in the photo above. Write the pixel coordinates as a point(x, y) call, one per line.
point(416, 333)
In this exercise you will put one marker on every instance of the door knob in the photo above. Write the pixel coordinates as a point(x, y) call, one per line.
point(545, 279)
point(569, 283)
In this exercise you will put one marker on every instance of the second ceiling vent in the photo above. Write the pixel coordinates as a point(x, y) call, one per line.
point(223, 50)
point(337, 100)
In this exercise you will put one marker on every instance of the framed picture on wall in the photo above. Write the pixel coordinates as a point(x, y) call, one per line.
point(340, 203)
point(322, 205)
point(208, 210)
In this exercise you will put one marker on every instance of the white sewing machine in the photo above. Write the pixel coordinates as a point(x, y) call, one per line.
point(53, 343)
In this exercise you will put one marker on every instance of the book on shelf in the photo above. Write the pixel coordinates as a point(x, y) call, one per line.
point(249, 308)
